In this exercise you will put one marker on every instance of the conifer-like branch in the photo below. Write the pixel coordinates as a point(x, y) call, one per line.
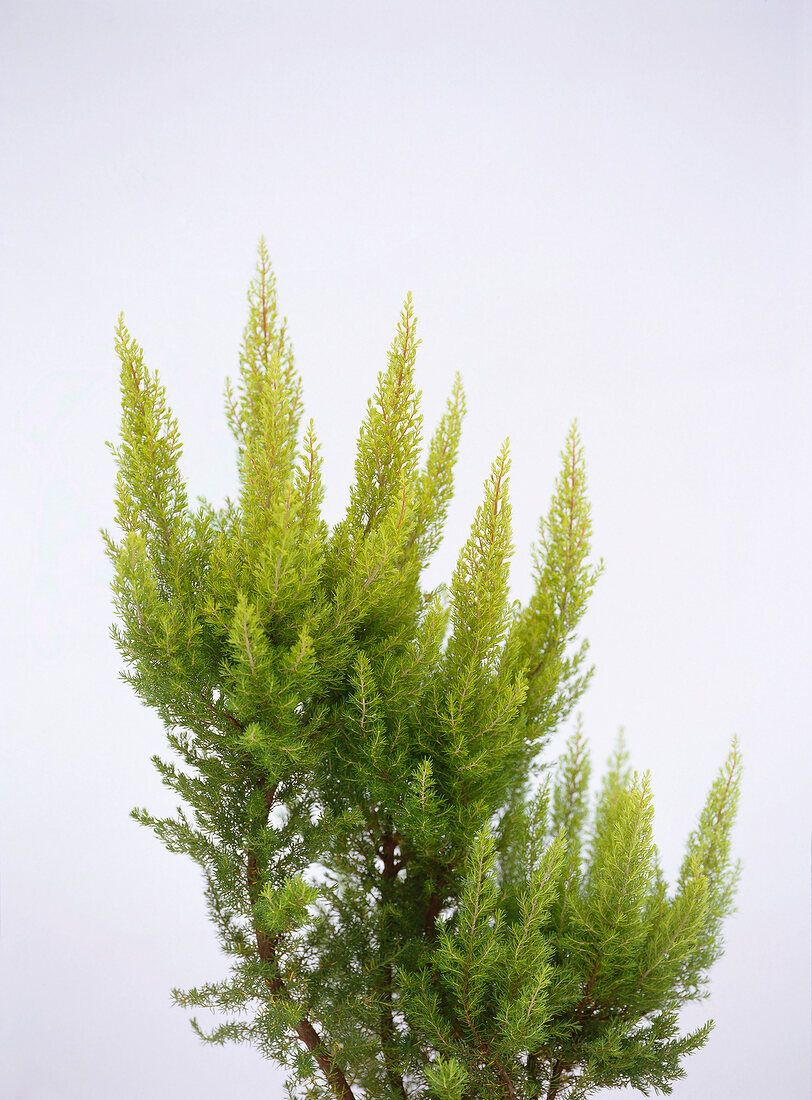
point(404, 917)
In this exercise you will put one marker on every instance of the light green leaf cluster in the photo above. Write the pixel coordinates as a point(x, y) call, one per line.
point(354, 756)
point(570, 979)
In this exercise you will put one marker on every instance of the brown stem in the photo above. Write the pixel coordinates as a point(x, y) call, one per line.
point(533, 1071)
point(511, 1091)
point(335, 1078)
point(584, 1003)
point(560, 1066)
point(387, 1022)
point(387, 1025)
point(555, 1080)
point(387, 852)
point(266, 947)
point(431, 915)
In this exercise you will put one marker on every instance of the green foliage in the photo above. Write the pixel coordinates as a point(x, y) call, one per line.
point(404, 917)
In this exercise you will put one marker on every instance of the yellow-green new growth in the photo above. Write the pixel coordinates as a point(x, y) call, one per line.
point(405, 920)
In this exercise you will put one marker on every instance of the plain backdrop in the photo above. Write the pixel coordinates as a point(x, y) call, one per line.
point(602, 211)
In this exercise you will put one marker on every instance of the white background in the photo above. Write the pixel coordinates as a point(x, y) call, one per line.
point(601, 210)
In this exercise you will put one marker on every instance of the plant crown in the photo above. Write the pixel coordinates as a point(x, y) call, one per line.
point(413, 906)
